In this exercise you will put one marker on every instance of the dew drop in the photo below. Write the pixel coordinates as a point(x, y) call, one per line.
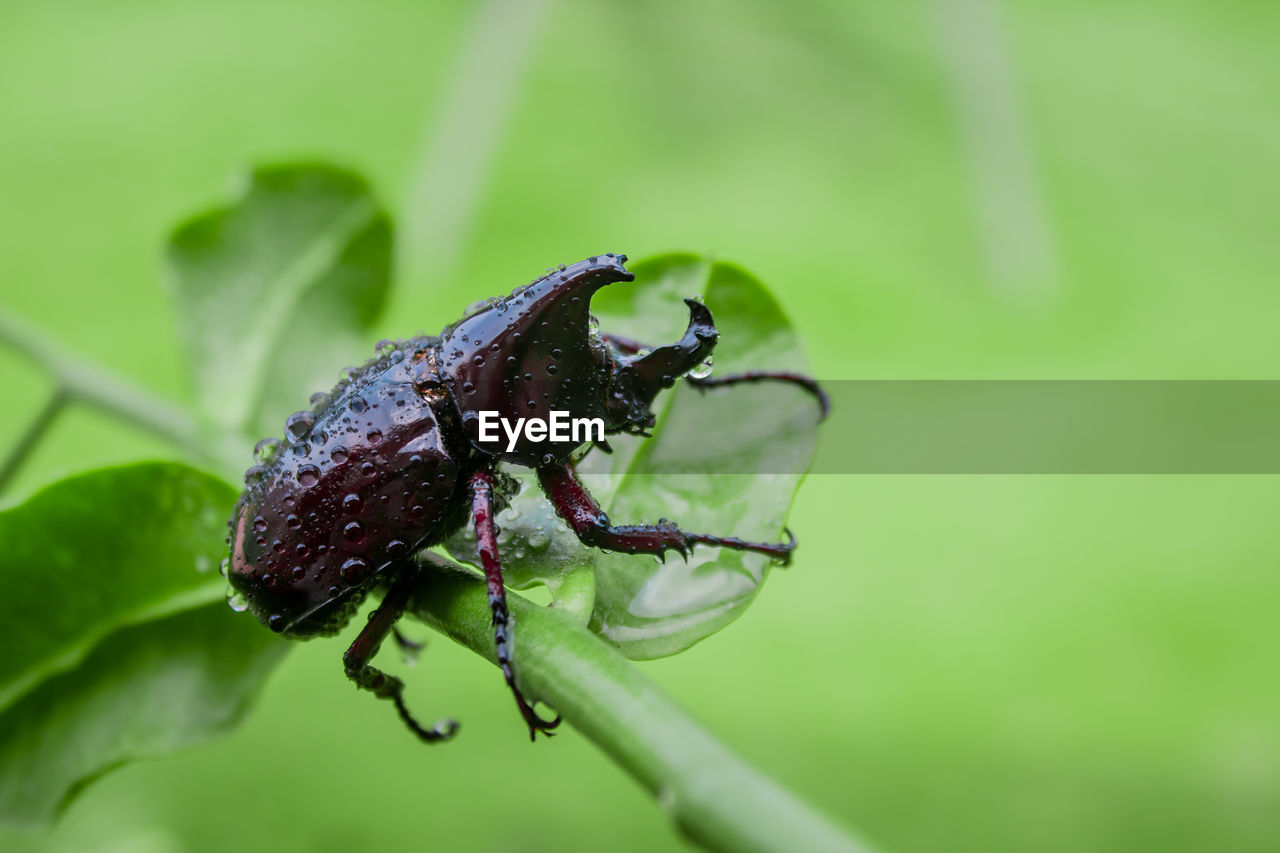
point(254, 474)
point(338, 455)
point(265, 451)
point(374, 436)
point(539, 539)
point(292, 522)
point(352, 503)
point(703, 370)
point(593, 325)
point(299, 424)
point(224, 568)
point(353, 532)
point(276, 622)
point(237, 602)
point(308, 476)
point(319, 400)
point(352, 569)
point(260, 524)
point(358, 406)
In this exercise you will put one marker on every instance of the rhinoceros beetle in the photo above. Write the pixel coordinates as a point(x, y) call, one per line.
point(392, 461)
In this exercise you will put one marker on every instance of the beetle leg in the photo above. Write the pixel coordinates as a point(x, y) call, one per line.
point(591, 524)
point(482, 514)
point(356, 660)
point(406, 645)
point(627, 346)
point(808, 383)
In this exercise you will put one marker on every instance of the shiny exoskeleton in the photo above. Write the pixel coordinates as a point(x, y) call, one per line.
point(391, 462)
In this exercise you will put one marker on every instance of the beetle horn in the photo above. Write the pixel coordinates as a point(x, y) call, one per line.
point(660, 368)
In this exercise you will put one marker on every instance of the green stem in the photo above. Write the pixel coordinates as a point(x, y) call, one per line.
point(31, 437)
point(83, 382)
point(713, 796)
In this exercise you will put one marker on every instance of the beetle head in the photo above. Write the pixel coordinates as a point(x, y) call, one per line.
point(637, 379)
point(534, 352)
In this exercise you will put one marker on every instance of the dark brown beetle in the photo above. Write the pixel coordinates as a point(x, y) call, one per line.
point(392, 462)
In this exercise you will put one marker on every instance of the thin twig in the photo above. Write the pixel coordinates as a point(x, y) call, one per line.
point(31, 437)
point(83, 382)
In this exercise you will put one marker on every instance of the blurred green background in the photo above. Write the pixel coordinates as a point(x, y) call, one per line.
point(944, 189)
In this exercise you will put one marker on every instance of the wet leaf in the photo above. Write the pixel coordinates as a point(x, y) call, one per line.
point(276, 291)
point(118, 641)
point(727, 462)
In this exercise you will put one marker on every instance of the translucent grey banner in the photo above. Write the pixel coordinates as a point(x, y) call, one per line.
point(982, 427)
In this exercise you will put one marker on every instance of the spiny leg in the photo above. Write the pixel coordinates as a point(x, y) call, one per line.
point(361, 652)
point(627, 346)
point(409, 649)
point(482, 513)
point(406, 645)
point(808, 383)
point(591, 524)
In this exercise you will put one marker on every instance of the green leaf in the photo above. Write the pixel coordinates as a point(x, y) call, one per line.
point(118, 641)
point(277, 291)
point(145, 691)
point(768, 431)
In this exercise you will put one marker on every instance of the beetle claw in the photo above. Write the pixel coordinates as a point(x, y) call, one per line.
point(536, 723)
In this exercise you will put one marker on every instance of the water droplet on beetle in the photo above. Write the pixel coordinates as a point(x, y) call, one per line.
point(254, 474)
point(338, 455)
point(260, 524)
point(703, 370)
point(319, 400)
point(224, 568)
point(266, 450)
point(374, 436)
point(352, 503)
point(299, 424)
point(236, 601)
point(308, 476)
point(276, 622)
point(352, 569)
point(593, 325)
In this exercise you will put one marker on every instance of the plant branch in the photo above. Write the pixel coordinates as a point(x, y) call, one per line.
point(31, 437)
point(81, 381)
point(712, 795)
